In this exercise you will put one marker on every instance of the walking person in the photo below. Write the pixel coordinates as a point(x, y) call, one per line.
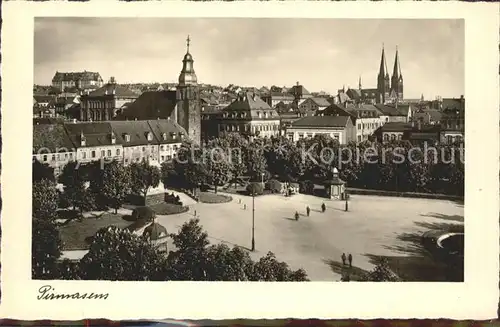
point(308, 211)
point(296, 215)
point(343, 258)
point(323, 207)
point(350, 260)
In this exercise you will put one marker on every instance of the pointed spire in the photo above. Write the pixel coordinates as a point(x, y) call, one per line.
point(188, 41)
point(397, 67)
point(383, 64)
point(359, 84)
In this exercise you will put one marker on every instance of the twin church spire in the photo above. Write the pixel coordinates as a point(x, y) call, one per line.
point(389, 87)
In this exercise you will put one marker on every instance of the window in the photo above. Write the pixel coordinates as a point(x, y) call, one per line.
point(450, 139)
point(359, 138)
point(164, 136)
point(103, 153)
point(359, 126)
point(84, 155)
point(92, 154)
point(162, 147)
point(301, 136)
point(127, 138)
point(174, 147)
point(65, 156)
point(150, 136)
point(70, 155)
point(109, 153)
point(393, 137)
point(44, 157)
point(143, 149)
point(162, 158)
point(400, 137)
point(117, 152)
point(386, 137)
point(221, 127)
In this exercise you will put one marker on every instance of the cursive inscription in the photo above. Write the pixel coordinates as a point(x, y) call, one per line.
point(47, 292)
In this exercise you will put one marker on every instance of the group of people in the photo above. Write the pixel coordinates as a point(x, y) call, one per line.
point(346, 259)
point(308, 211)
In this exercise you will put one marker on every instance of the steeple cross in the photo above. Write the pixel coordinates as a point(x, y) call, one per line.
point(188, 41)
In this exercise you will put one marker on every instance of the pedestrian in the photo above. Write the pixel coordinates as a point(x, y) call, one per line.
point(350, 260)
point(343, 259)
point(346, 206)
point(323, 207)
point(308, 210)
point(195, 213)
point(244, 207)
point(296, 215)
point(239, 201)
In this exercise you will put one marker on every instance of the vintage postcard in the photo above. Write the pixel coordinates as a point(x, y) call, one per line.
point(250, 160)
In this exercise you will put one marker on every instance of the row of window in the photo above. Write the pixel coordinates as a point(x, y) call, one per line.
point(245, 114)
point(246, 128)
point(393, 137)
point(369, 125)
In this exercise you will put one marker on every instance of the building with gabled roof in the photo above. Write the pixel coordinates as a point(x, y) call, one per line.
point(249, 115)
point(340, 128)
point(52, 146)
point(79, 80)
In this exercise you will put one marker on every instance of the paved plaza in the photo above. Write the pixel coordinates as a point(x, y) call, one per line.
point(370, 226)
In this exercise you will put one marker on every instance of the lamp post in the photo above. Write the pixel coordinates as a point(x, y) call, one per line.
point(253, 220)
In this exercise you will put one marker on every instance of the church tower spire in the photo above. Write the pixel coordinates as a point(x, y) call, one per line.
point(383, 81)
point(188, 108)
point(188, 76)
point(397, 78)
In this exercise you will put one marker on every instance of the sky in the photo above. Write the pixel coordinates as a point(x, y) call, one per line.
point(321, 54)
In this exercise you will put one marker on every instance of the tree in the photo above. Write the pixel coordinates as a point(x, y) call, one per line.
point(143, 177)
point(46, 248)
point(75, 177)
point(115, 184)
point(45, 199)
point(381, 273)
point(218, 168)
point(269, 269)
point(256, 162)
point(118, 254)
point(254, 189)
point(42, 171)
point(189, 260)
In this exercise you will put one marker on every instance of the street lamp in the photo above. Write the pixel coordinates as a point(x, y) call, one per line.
point(253, 219)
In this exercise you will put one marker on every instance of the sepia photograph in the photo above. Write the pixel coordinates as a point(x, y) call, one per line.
point(252, 149)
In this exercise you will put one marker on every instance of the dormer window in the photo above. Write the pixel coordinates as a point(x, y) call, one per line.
point(265, 115)
point(174, 136)
point(259, 114)
point(149, 135)
point(164, 136)
point(181, 134)
point(126, 137)
point(113, 138)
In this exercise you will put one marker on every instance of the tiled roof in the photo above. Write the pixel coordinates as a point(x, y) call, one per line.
point(74, 76)
point(137, 130)
point(115, 89)
point(96, 133)
point(321, 102)
point(334, 110)
point(395, 127)
point(50, 138)
point(369, 93)
point(354, 93)
point(253, 105)
point(364, 110)
point(150, 105)
point(298, 89)
point(343, 97)
point(452, 103)
point(322, 121)
point(43, 98)
point(168, 127)
point(391, 110)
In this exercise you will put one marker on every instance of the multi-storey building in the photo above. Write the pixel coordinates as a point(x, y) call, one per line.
point(249, 115)
point(104, 103)
point(340, 128)
point(52, 146)
point(80, 80)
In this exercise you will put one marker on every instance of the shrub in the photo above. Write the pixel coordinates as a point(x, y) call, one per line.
point(171, 198)
point(274, 186)
point(255, 188)
point(143, 213)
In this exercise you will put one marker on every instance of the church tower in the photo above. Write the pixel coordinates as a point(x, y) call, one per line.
point(397, 78)
point(383, 82)
point(188, 108)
